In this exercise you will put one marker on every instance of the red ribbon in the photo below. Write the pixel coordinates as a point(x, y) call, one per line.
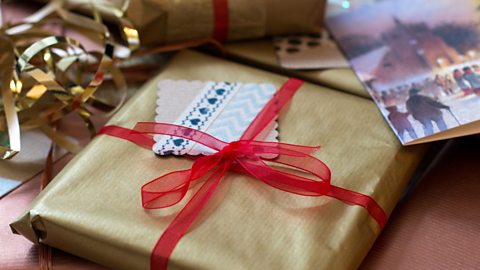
point(220, 14)
point(246, 156)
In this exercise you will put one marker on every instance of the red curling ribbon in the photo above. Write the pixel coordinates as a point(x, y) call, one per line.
point(246, 156)
point(220, 14)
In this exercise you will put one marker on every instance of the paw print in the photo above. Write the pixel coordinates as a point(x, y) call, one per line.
point(294, 44)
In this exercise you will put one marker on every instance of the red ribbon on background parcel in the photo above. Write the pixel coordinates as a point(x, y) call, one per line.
point(218, 38)
point(246, 156)
point(221, 20)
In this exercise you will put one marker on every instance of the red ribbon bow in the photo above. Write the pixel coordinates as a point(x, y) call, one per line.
point(247, 156)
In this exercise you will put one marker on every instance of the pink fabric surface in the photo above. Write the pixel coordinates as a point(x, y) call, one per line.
point(438, 225)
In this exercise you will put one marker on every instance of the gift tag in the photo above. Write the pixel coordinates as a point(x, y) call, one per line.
point(315, 51)
point(221, 109)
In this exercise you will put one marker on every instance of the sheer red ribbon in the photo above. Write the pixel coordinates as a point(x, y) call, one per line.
point(247, 156)
point(220, 14)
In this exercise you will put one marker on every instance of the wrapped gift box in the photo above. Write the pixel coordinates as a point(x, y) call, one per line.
point(167, 21)
point(261, 53)
point(93, 207)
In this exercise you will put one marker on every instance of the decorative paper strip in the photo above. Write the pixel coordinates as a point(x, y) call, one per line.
point(222, 109)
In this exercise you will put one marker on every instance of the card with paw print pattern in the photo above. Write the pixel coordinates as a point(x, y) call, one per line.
point(315, 51)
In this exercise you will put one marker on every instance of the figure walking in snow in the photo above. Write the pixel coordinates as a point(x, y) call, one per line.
point(426, 110)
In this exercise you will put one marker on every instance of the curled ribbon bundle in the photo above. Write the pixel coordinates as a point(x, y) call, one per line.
point(45, 76)
point(250, 156)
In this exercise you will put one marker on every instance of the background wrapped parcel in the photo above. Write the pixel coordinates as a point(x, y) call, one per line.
point(169, 21)
point(92, 208)
point(262, 53)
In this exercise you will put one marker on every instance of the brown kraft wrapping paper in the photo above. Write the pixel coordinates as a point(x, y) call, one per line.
point(93, 207)
point(170, 21)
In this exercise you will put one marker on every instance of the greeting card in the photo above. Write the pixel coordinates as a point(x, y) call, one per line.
point(419, 60)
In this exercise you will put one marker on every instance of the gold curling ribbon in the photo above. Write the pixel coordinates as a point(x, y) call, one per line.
point(44, 77)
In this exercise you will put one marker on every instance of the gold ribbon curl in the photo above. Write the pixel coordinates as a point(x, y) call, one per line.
point(44, 77)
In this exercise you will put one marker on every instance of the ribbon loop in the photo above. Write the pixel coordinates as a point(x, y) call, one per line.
point(171, 188)
point(166, 190)
point(286, 181)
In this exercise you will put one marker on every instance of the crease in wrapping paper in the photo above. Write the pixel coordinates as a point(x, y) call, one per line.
point(93, 208)
point(169, 21)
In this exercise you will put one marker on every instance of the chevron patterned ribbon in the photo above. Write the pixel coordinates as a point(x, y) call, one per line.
point(243, 156)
